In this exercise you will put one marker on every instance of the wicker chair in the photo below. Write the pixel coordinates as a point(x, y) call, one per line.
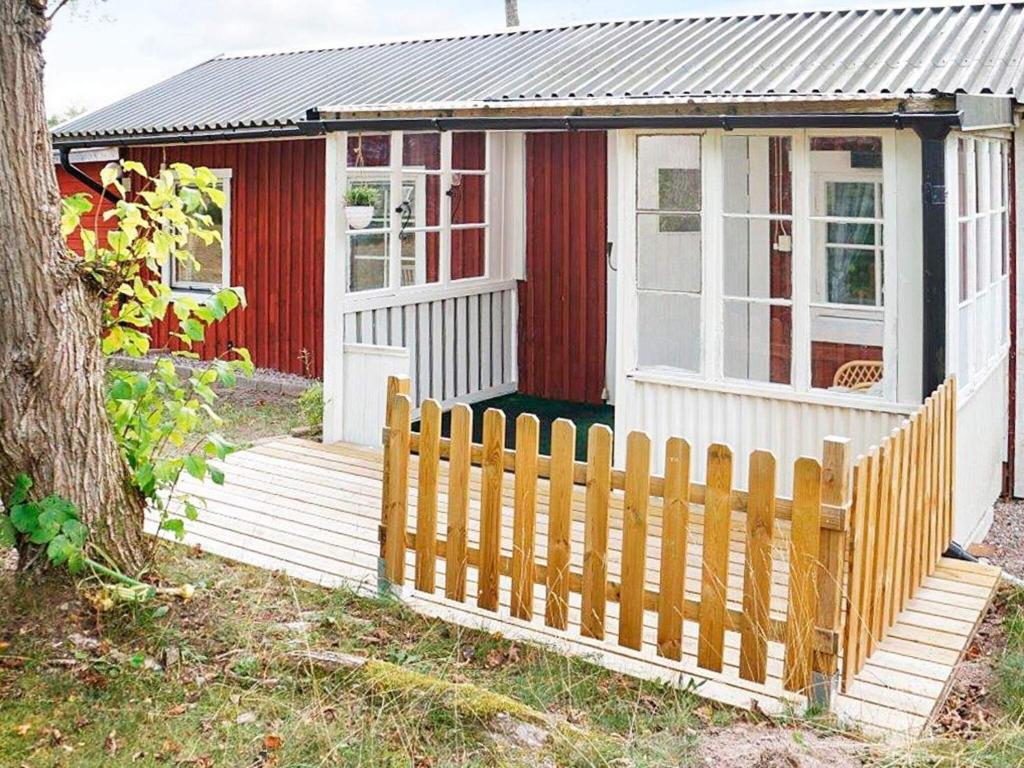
point(858, 374)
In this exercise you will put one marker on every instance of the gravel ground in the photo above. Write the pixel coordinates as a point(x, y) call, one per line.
point(1004, 544)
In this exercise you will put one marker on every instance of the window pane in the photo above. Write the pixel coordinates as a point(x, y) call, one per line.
point(419, 257)
point(668, 173)
point(381, 207)
point(468, 247)
point(753, 265)
point(667, 260)
point(851, 276)
point(846, 364)
point(757, 175)
point(421, 201)
point(679, 222)
point(678, 189)
point(421, 150)
point(368, 261)
point(208, 271)
point(369, 150)
point(860, 151)
point(468, 194)
point(848, 199)
point(469, 151)
point(210, 258)
point(965, 285)
point(961, 176)
point(669, 330)
point(850, 234)
point(758, 344)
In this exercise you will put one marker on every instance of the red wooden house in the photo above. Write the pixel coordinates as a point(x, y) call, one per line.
point(772, 227)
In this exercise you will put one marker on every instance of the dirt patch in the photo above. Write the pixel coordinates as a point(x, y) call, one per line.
point(747, 745)
point(971, 706)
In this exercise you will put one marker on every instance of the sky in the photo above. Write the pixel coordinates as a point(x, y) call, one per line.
point(101, 50)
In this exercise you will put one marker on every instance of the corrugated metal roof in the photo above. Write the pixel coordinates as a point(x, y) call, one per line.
point(874, 52)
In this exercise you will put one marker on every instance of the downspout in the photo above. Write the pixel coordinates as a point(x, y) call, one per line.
point(1011, 430)
point(82, 176)
point(933, 255)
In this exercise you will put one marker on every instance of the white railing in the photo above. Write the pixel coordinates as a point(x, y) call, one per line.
point(462, 342)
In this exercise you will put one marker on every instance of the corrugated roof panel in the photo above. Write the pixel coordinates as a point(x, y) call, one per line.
point(881, 52)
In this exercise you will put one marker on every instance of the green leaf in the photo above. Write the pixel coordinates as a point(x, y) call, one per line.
point(75, 531)
point(22, 484)
point(25, 517)
point(217, 475)
point(195, 465)
point(191, 512)
point(8, 536)
point(176, 526)
point(59, 550)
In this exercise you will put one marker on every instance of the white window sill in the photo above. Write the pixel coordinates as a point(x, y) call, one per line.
point(670, 378)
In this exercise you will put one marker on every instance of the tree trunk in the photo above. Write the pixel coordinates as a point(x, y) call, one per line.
point(53, 422)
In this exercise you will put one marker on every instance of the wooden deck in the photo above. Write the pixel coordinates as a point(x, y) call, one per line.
point(313, 512)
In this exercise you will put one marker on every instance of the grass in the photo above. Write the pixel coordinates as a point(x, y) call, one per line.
point(249, 416)
point(230, 690)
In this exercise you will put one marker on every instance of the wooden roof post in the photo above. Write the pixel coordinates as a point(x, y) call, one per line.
point(835, 491)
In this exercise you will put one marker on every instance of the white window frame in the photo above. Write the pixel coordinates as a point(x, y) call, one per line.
point(982, 317)
point(192, 287)
point(444, 285)
point(712, 298)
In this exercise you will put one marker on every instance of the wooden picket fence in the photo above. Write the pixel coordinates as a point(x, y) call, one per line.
point(902, 522)
point(815, 519)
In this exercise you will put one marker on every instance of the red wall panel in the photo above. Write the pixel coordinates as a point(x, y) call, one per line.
point(277, 252)
point(563, 303)
point(69, 185)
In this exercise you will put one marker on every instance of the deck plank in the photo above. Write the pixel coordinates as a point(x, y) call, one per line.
point(312, 512)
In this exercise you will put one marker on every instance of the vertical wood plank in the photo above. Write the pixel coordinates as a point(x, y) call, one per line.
point(492, 477)
point(924, 497)
point(951, 460)
point(934, 515)
point(563, 455)
point(715, 558)
point(871, 554)
point(675, 521)
point(803, 554)
point(426, 498)
point(525, 516)
point(902, 476)
point(888, 551)
point(396, 512)
point(913, 508)
point(595, 535)
point(634, 540)
point(854, 617)
point(458, 501)
point(882, 537)
point(943, 480)
point(835, 490)
point(757, 575)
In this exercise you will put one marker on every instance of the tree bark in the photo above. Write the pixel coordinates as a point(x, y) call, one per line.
point(53, 421)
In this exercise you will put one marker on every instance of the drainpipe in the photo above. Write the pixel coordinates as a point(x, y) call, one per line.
point(82, 176)
point(933, 256)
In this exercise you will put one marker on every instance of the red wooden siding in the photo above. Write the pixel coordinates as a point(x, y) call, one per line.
point(562, 303)
point(69, 185)
point(277, 252)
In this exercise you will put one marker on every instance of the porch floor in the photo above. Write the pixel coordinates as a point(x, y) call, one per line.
point(583, 415)
point(313, 511)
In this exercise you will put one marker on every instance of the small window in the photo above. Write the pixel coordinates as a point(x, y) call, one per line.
point(212, 268)
point(669, 242)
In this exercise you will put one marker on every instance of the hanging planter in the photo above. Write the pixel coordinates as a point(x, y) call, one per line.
point(359, 205)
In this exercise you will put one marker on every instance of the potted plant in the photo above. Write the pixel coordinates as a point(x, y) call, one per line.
point(359, 203)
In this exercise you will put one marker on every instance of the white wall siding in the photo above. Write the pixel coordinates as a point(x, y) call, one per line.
point(745, 422)
point(367, 368)
point(461, 347)
point(981, 433)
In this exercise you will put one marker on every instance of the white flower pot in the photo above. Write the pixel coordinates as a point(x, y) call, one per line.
point(359, 216)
